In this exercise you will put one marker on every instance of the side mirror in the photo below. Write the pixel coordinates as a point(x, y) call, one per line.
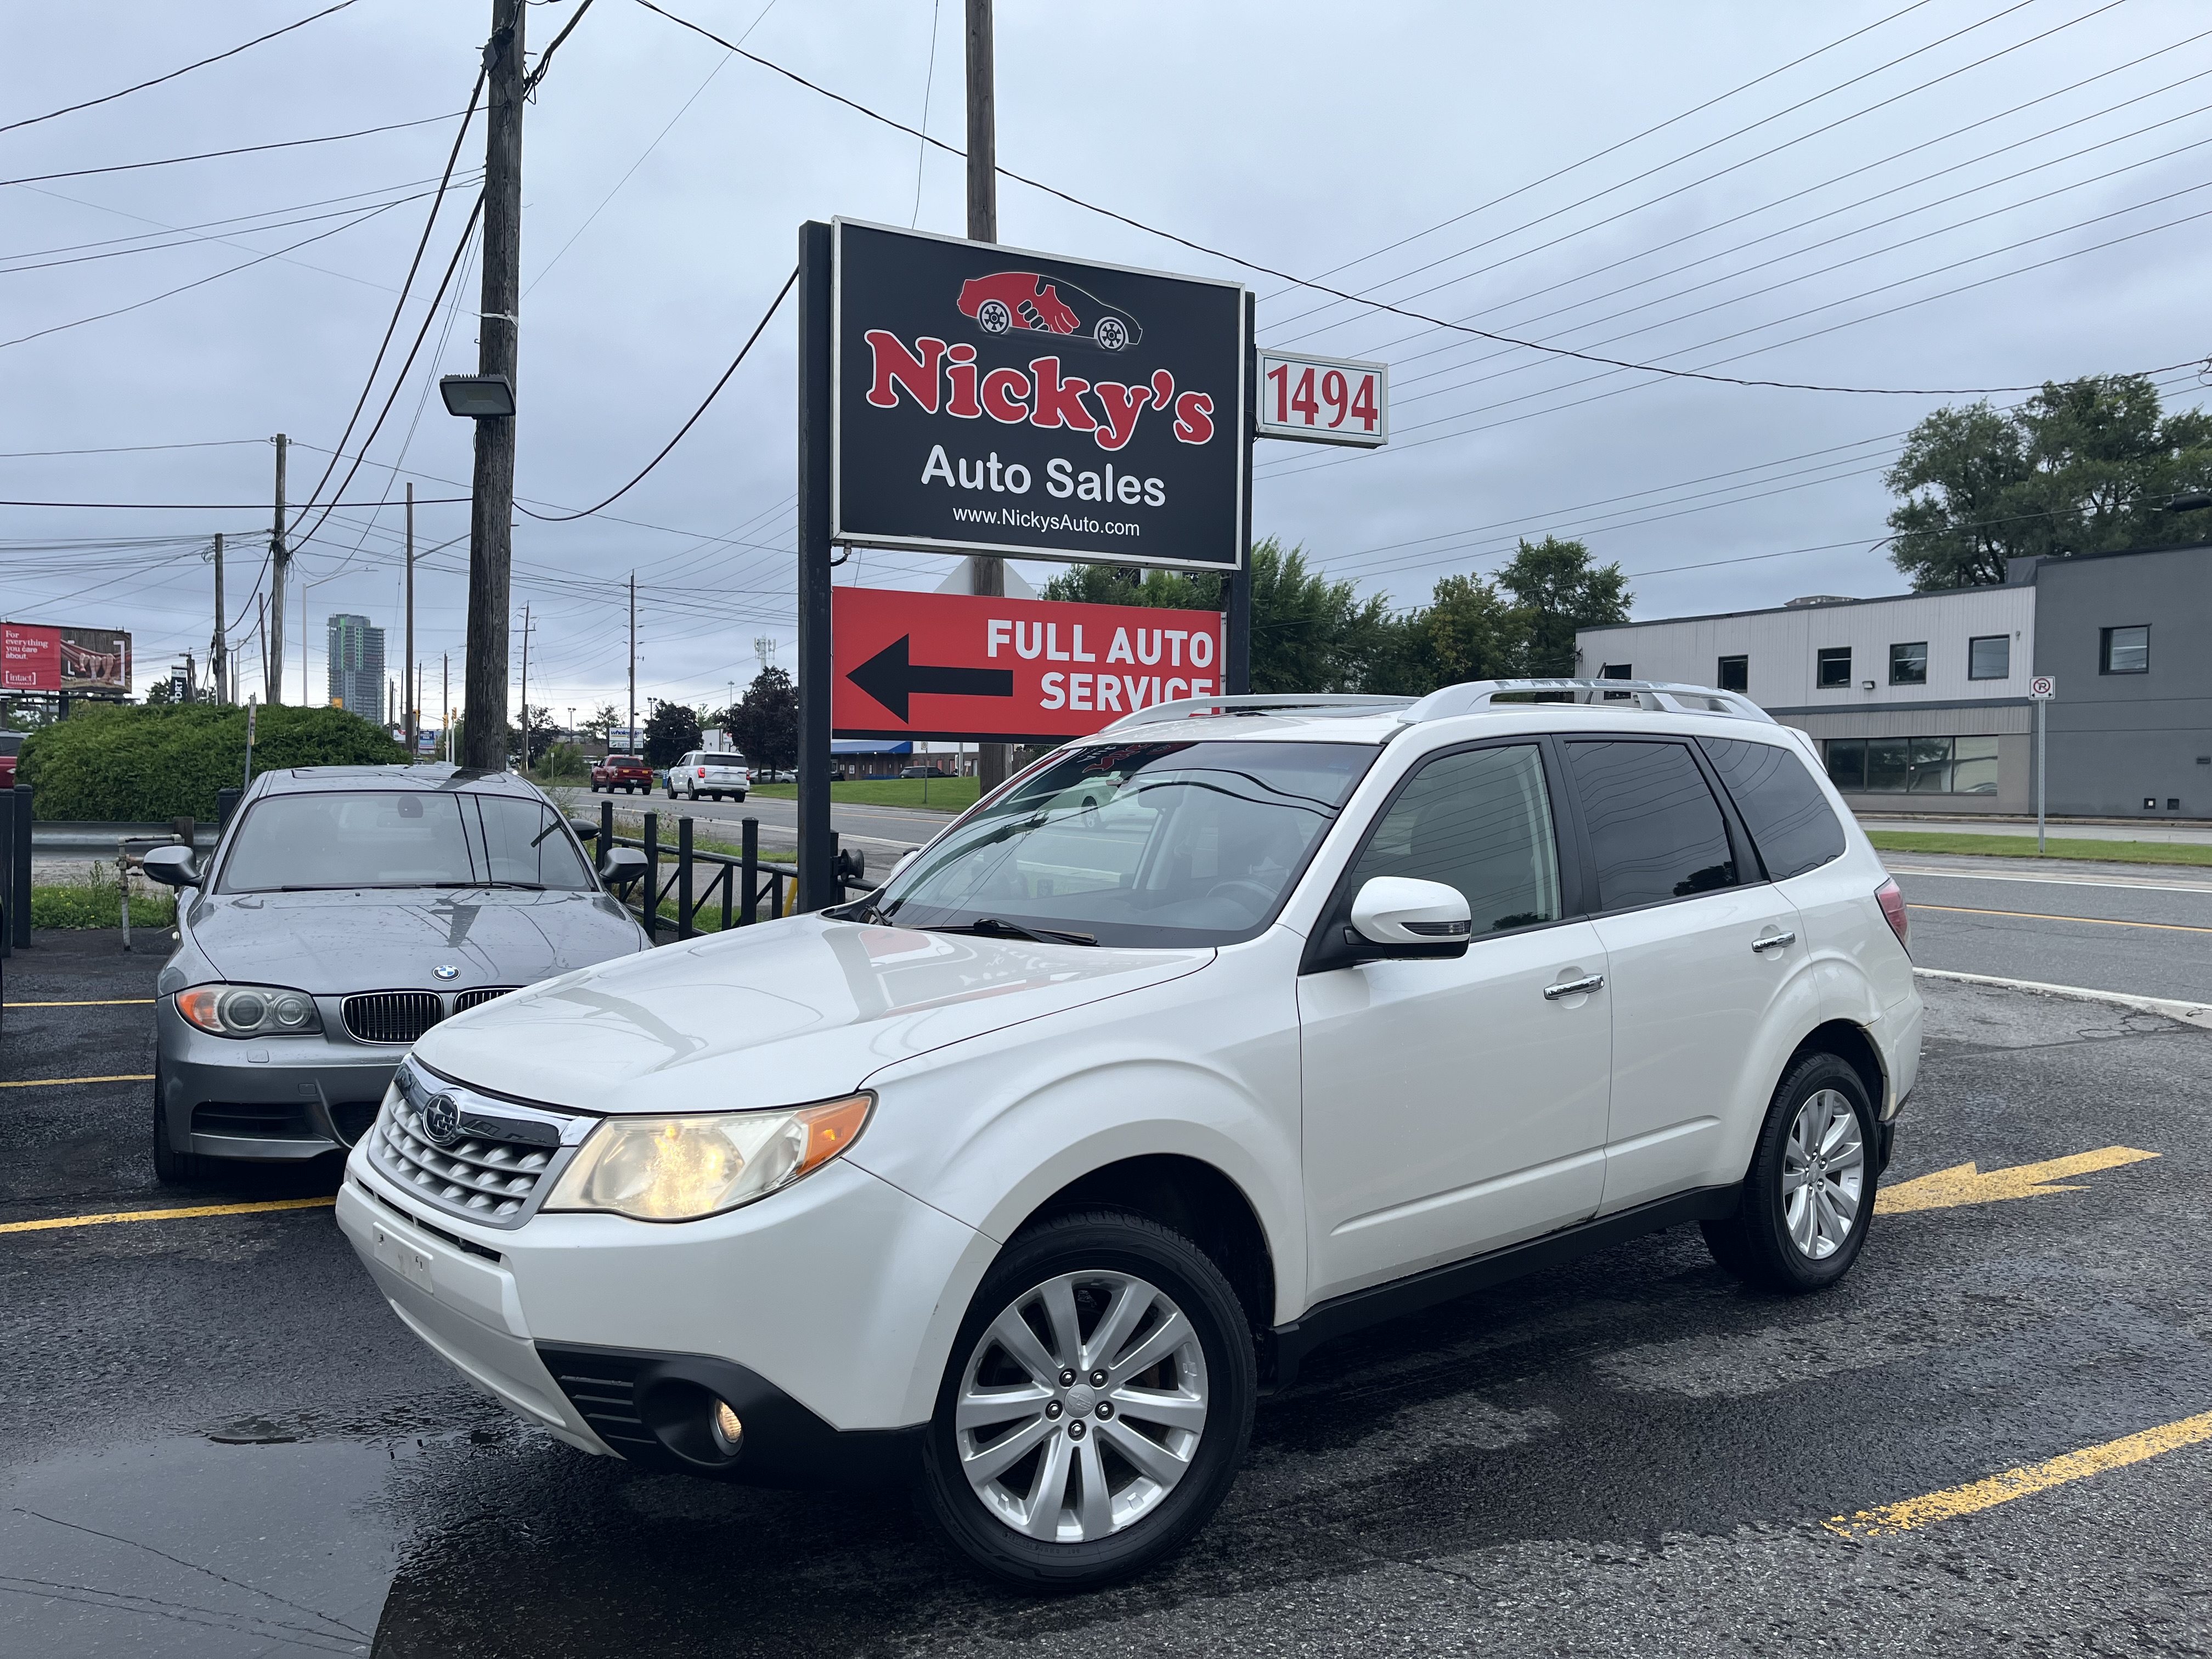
point(172, 867)
point(583, 828)
point(904, 859)
point(1397, 916)
point(620, 865)
point(851, 866)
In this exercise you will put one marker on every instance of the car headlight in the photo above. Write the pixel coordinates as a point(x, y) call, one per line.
point(245, 1011)
point(679, 1168)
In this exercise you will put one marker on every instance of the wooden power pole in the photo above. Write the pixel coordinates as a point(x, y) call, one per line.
point(406, 663)
point(986, 576)
point(631, 743)
point(218, 658)
point(280, 561)
point(491, 511)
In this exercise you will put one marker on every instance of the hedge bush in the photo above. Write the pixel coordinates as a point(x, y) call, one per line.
point(139, 764)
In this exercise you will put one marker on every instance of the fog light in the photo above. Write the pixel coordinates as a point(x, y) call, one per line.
point(729, 1432)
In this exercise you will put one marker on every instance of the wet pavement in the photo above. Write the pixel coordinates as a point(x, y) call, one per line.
point(220, 1442)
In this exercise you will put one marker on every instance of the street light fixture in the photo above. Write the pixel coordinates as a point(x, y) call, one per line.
point(478, 397)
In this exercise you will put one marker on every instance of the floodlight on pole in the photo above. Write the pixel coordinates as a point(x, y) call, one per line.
point(478, 397)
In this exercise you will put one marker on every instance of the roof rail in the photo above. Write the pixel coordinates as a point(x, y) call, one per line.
point(1660, 696)
point(1324, 704)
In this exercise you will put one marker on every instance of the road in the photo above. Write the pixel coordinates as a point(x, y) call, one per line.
point(220, 1442)
point(2143, 929)
point(2193, 834)
point(883, 832)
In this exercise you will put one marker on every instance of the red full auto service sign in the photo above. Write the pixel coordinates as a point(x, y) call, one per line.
point(991, 400)
point(992, 670)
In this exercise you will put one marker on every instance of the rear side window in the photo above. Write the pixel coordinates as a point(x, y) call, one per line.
point(1789, 818)
point(1656, 831)
point(1479, 821)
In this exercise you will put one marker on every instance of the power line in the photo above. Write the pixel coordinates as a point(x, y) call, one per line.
point(208, 507)
point(1323, 287)
point(240, 219)
point(71, 109)
point(124, 449)
point(214, 155)
point(773, 307)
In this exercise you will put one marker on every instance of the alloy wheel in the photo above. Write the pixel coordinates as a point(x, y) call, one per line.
point(1823, 1175)
point(1081, 1406)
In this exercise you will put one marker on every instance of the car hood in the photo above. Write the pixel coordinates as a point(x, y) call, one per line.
point(802, 1009)
point(331, 943)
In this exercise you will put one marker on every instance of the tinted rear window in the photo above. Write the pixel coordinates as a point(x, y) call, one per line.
point(1789, 818)
point(1656, 831)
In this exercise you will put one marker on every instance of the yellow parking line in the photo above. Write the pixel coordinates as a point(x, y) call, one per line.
point(1978, 1495)
point(109, 1002)
point(166, 1215)
point(2037, 915)
point(49, 1082)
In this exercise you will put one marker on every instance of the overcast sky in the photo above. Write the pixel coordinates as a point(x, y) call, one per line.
point(1961, 194)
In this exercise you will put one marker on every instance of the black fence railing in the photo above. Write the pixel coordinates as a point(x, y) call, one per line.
point(736, 890)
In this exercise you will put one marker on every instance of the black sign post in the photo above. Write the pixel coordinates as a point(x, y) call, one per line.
point(961, 397)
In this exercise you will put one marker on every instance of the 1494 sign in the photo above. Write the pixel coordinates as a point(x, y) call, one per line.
point(991, 400)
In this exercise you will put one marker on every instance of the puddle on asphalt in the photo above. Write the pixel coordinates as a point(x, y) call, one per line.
point(186, 1548)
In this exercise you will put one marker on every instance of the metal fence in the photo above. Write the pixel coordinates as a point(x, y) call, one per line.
point(746, 888)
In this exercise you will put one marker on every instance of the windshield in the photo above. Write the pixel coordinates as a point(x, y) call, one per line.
point(1135, 843)
point(394, 838)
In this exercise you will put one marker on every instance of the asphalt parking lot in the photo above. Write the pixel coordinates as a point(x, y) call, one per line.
point(220, 1442)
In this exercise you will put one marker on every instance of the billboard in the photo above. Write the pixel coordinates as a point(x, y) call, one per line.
point(981, 670)
point(36, 658)
point(984, 399)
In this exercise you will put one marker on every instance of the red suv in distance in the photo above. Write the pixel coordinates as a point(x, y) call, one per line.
point(627, 772)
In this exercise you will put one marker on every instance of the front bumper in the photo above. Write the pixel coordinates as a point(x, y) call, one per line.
point(281, 1099)
point(817, 1313)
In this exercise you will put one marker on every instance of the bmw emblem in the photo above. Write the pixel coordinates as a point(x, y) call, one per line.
point(446, 970)
point(442, 1120)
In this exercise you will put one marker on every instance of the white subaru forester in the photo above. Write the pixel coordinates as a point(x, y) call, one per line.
point(1230, 1030)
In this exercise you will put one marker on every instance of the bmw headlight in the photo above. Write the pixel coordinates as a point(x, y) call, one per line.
point(679, 1168)
point(249, 1010)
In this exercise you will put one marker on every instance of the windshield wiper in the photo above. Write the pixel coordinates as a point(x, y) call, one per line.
point(526, 886)
point(999, 927)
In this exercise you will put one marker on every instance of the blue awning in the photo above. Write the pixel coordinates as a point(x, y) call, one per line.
point(870, 746)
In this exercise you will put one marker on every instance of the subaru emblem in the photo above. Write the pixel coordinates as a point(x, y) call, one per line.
point(446, 970)
point(442, 1120)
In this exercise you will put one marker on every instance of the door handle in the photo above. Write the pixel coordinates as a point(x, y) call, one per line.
point(1773, 941)
point(1574, 987)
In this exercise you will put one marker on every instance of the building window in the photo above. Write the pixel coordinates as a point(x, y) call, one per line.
point(1617, 671)
point(1835, 668)
point(2126, 651)
point(1989, 657)
point(1908, 664)
point(1734, 674)
point(1916, 766)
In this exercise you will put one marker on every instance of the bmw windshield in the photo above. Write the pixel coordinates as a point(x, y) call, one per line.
point(1135, 843)
point(399, 838)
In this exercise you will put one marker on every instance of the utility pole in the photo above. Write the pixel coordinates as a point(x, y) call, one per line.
point(525, 688)
point(987, 577)
point(446, 702)
point(491, 510)
point(280, 561)
point(407, 661)
point(216, 655)
point(632, 742)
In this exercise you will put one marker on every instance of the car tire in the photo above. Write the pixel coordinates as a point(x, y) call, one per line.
point(1087, 1262)
point(172, 1168)
point(1820, 1120)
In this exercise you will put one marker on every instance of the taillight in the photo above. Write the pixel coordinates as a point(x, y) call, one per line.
point(702, 771)
point(1891, 898)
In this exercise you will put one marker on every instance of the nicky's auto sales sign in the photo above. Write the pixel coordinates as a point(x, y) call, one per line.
point(990, 400)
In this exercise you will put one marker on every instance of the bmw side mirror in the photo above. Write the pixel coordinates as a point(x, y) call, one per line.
point(1397, 916)
point(621, 865)
point(172, 867)
point(583, 828)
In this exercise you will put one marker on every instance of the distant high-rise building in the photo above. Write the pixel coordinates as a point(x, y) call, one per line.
point(357, 654)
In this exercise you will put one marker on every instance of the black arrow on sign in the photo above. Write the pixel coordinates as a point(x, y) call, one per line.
point(890, 678)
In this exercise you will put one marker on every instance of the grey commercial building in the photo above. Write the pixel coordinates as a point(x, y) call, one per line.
point(1920, 702)
point(356, 666)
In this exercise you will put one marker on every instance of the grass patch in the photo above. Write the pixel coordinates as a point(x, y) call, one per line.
point(2023, 847)
point(92, 901)
point(938, 794)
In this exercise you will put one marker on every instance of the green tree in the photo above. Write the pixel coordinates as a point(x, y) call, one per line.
point(672, 733)
point(764, 722)
point(1556, 589)
point(2083, 466)
point(602, 723)
point(1467, 633)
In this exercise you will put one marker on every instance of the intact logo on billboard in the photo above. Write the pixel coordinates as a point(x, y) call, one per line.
point(1022, 299)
